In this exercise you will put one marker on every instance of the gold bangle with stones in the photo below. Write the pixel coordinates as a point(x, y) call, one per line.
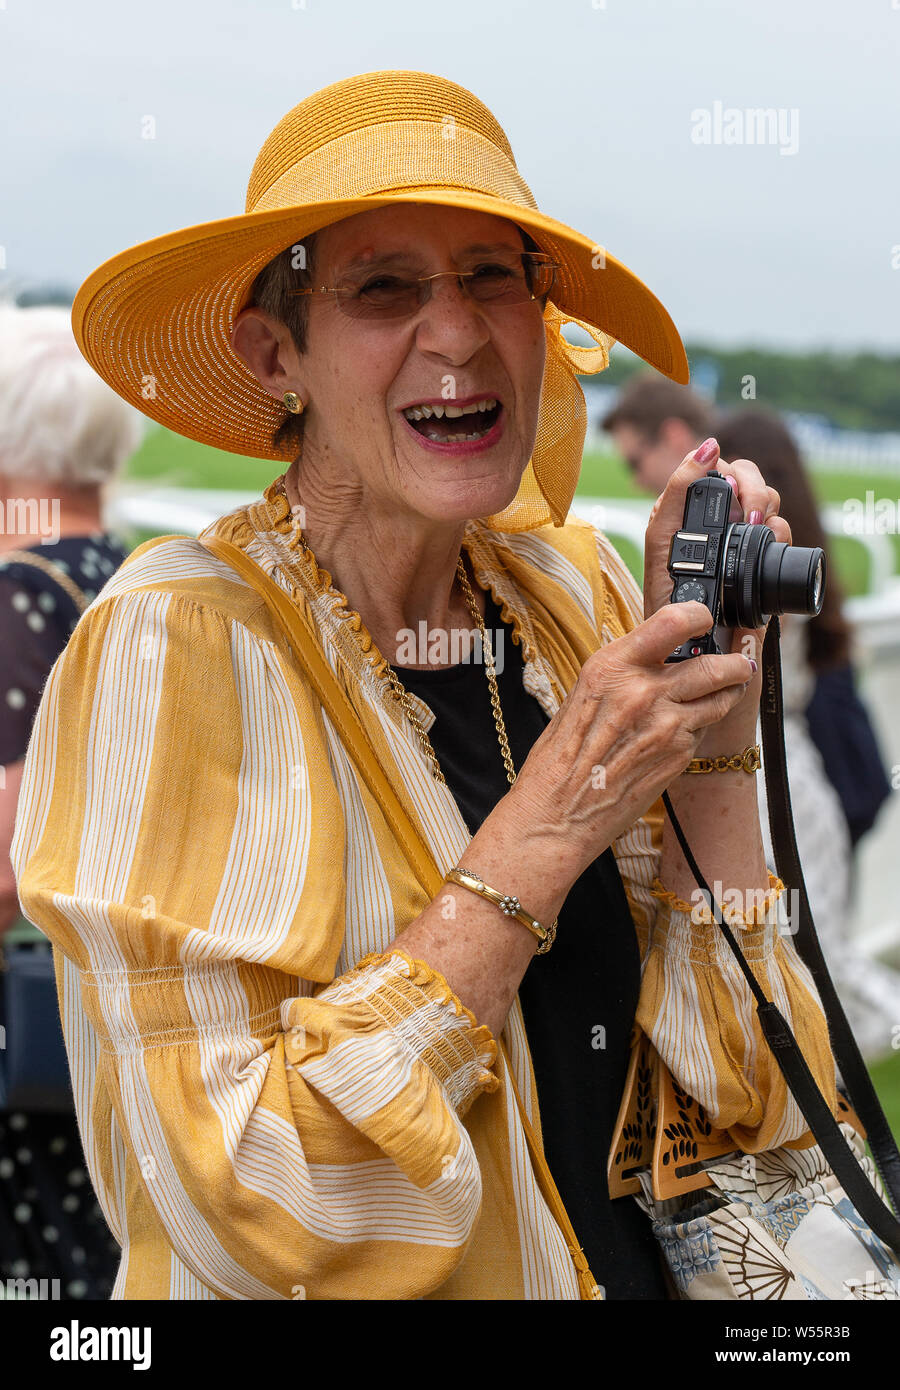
point(508, 905)
point(701, 914)
point(748, 761)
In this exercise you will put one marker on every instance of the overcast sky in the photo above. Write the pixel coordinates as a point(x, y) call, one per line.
point(795, 242)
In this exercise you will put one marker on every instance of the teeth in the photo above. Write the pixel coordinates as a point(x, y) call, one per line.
point(457, 439)
point(452, 412)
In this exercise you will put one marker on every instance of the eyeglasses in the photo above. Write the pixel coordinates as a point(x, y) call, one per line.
point(500, 281)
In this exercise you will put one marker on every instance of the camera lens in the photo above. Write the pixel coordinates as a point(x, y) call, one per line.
point(793, 579)
point(762, 576)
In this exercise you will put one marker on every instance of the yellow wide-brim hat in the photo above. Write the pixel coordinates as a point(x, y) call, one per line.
point(155, 321)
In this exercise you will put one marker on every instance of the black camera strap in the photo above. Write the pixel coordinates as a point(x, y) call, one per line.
point(775, 1029)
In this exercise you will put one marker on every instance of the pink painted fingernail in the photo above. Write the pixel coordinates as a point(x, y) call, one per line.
point(708, 450)
point(732, 482)
point(753, 664)
point(755, 518)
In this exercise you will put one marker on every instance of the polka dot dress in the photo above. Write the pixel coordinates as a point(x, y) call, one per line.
point(51, 1226)
point(37, 618)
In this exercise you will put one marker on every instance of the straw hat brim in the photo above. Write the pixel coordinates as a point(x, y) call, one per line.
point(155, 321)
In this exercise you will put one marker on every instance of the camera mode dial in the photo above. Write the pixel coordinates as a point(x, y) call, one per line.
point(690, 590)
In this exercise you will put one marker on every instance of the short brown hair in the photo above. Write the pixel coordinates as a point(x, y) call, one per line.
point(647, 400)
point(271, 292)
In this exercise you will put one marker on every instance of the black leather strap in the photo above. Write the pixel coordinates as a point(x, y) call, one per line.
point(775, 1029)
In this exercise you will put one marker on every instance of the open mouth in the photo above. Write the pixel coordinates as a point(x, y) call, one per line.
point(455, 424)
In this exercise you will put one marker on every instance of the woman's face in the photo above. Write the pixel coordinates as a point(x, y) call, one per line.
point(358, 376)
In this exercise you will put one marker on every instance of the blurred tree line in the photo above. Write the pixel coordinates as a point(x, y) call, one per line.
point(852, 391)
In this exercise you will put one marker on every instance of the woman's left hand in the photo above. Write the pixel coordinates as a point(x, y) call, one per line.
point(754, 502)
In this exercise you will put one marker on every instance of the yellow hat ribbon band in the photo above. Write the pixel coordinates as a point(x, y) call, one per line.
point(393, 157)
point(549, 481)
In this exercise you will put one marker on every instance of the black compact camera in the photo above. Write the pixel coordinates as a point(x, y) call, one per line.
point(740, 572)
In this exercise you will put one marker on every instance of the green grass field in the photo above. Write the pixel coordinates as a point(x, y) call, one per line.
point(172, 461)
point(885, 1076)
point(603, 475)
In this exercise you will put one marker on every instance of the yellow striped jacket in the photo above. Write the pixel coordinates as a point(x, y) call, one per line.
point(273, 1103)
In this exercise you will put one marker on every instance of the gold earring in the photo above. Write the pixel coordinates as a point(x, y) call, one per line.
point(293, 402)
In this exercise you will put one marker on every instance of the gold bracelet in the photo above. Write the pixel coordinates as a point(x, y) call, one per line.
point(508, 905)
point(748, 761)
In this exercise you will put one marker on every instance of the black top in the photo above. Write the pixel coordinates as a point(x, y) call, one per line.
point(579, 999)
point(37, 618)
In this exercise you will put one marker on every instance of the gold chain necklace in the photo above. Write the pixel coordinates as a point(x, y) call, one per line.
point(401, 694)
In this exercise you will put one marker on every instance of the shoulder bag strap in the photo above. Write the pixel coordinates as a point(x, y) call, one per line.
point(54, 572)
point(305, 644)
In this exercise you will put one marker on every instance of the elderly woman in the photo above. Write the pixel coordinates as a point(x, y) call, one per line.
point(64, 435)
point(308, 1066)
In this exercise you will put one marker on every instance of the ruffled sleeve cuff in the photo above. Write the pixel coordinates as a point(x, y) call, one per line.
point(688, 930)
point(425, 1017)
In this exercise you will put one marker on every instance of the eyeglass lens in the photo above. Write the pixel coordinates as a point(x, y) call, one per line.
point(507, 281)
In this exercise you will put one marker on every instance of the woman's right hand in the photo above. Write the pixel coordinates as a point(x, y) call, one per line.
point(628, 728)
